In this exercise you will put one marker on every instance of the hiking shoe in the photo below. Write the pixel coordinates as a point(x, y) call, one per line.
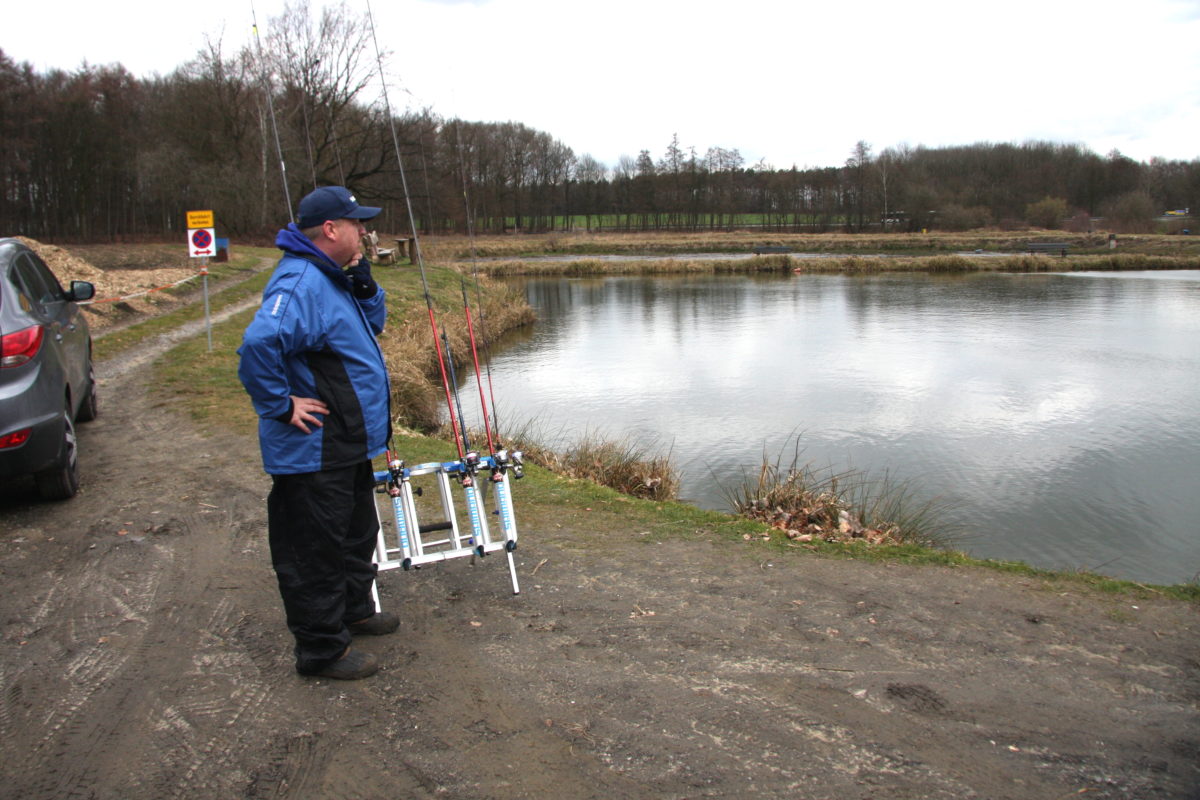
point(378, 624)
point(352, 666)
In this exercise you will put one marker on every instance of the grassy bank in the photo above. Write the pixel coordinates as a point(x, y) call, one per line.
point(517, 246)
point(846, 264)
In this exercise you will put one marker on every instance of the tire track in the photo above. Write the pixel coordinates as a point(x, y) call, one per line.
point(119, 367)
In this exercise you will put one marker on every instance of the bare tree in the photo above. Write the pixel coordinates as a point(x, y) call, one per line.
point(321, 69)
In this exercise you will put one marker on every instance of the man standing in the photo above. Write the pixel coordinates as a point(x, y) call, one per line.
point(316, 375)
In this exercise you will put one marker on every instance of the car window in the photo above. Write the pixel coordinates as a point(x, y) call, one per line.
point(51, 290)
point(29, 287)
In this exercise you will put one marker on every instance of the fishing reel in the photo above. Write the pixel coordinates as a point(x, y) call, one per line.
point(397, 476)
point(504, 460)
point(470, 463)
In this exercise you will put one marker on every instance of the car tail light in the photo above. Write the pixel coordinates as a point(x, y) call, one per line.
point(15, 439)
point(18, 347)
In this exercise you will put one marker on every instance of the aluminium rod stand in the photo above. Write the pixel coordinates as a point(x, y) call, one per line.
point(404, 542)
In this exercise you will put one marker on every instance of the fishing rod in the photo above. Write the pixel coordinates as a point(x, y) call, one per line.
point(458, 432)
point(468, 461)
point(287, 196)
point(501, 460)
point(454, 387)
point(487, 427)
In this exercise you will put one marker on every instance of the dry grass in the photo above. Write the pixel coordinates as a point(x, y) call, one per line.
point(514, 246)
point(846, 264)
point(806, 503)
point(418, 396)
point(628, 466)
point(858, 253)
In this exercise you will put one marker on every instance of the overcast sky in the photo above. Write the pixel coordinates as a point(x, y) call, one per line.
point(786, 81)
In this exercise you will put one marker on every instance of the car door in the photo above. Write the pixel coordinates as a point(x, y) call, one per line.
point(69, 324)
point(65, 341)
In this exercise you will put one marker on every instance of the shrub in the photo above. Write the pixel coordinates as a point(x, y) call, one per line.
point(1049, 212)
point(1133, 212)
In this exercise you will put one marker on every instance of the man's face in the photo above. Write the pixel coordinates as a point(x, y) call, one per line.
point(342, 238)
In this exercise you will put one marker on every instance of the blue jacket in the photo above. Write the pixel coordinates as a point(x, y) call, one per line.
point(312, 338)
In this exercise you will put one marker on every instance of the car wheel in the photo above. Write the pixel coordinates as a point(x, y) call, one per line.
point(91, 404)
point(61, 481)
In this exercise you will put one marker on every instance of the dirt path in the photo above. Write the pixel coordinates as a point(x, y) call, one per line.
point(144, 656)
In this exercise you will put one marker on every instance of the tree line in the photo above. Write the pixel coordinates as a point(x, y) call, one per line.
point(97, 154)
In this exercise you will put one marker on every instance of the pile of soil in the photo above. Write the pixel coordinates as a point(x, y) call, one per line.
point(128, 281)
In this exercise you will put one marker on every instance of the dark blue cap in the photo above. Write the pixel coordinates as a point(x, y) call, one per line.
point(331, 202)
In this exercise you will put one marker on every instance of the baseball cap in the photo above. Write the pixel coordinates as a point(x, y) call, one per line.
point(331, 202)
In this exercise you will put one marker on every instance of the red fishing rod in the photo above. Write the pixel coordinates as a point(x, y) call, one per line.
point(480, 541)
point(470, 220)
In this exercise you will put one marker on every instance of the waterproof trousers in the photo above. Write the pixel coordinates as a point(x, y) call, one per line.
point(322, 529)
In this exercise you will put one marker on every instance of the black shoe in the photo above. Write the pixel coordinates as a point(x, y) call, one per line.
point(352, 666)
point(379, 624)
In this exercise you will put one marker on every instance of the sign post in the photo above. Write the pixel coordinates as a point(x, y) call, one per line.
point(202, 243)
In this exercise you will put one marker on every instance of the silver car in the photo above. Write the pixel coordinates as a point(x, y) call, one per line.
point(47, 382)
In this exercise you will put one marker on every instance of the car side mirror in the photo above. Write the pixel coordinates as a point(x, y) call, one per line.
point(81, 290)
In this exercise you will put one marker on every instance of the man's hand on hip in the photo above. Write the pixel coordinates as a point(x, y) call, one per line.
point(303, 409)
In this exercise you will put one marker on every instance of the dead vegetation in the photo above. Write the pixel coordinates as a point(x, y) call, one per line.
point(418, 399)
point(622, 464)
point(805, 503)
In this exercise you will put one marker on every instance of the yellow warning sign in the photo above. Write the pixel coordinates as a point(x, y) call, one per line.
point(199, 219)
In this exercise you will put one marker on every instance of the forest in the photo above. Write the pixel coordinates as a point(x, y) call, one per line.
point(96, 154)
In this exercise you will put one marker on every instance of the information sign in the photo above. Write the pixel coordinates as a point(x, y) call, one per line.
point(200, 219)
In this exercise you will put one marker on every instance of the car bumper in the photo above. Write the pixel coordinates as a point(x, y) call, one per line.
point(39, 452)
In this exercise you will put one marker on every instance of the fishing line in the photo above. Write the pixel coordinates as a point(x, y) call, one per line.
point(287, 195)
point(458, 431)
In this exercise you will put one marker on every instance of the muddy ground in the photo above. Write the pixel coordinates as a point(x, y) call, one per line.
point(143, 655)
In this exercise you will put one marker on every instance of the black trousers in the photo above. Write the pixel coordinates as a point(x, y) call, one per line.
point(322, 528)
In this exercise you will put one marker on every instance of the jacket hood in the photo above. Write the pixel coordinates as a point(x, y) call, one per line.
point(291, 241)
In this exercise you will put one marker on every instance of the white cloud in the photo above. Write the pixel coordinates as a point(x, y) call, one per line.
point(788, 83)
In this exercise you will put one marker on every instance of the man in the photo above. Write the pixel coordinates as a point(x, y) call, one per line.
point(316, 375)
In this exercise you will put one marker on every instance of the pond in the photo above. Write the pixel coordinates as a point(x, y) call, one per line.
point(1058, 415)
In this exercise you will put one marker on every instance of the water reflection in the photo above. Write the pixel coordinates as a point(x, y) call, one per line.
point(1058, 412)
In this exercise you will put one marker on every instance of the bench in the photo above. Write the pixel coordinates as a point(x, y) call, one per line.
point(407, 247)
point(1049, 248)
point(380, 255)
point(769, 249)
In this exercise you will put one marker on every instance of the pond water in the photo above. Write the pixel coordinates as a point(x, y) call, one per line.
point(1058, 415)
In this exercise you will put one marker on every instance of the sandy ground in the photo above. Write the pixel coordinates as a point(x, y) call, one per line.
point(143, 655)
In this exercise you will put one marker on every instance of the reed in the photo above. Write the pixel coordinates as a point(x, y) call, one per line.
point(627, 465)
point(806, 503)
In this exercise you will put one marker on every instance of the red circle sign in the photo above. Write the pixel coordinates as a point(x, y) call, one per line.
point(201, 239)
